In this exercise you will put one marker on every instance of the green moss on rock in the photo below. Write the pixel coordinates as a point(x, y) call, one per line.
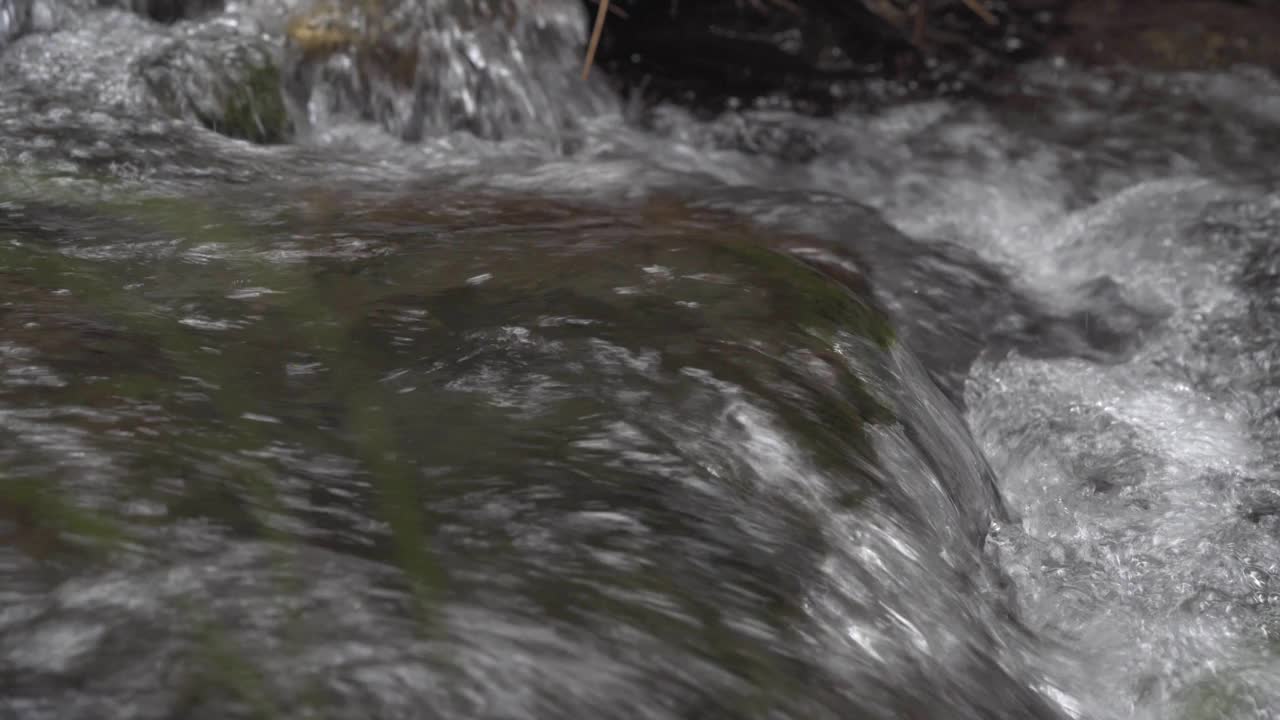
point(228, 84)
point(800, 291)
point(254, 111)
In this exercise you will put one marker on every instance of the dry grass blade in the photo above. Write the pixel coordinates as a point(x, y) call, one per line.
point(601, 12)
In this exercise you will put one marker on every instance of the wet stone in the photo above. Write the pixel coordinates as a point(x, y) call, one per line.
point(229, 81)
point(536, 438)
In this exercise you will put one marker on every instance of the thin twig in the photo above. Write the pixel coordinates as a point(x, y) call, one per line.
point(980, 9)
point(601, 12)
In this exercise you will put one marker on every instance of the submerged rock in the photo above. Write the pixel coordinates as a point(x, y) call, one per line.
point(221, 72)
point(507, 456)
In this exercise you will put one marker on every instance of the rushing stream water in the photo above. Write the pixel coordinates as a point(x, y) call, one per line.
point(489, 396)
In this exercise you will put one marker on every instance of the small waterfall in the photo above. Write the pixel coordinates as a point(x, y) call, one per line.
point(494, 68)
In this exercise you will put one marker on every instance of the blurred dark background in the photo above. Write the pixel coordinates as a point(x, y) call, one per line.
point(820, 53)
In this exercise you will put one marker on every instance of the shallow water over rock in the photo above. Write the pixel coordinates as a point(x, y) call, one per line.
point(542, 434)
point(521, 405)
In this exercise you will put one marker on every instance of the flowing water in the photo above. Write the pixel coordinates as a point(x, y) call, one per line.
point(490, 395)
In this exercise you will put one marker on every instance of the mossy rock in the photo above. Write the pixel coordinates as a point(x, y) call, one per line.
point(229, 84)
point(41, 523)
point(255, 110)
point(527, 330)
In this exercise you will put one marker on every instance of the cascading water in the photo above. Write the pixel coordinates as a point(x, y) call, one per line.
point(360, 361)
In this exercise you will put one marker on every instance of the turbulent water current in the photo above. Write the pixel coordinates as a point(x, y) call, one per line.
point(364, 362)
